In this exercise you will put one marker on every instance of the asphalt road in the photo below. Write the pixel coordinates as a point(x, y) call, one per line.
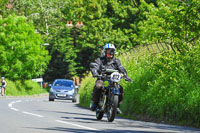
point(38, 115)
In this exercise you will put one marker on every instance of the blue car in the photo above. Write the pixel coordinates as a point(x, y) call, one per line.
point(63, 89)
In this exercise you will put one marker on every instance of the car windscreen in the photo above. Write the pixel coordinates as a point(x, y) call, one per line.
point(64, 83)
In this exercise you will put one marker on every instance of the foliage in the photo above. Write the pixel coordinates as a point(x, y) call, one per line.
point(177, 21)
point(104, 22)
point(85, 90)
point(49, 22)
point(44, 13)
point(124, 23)
point(23, 88)
point(22, 56)
point(165, 88)
point(63, 54)
point(2, 6)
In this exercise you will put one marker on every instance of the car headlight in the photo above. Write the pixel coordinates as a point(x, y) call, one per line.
point(71, 91)
point(51, 90)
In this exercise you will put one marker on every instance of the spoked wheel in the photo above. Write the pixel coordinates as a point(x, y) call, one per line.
point(99, 115)
point(112, 109)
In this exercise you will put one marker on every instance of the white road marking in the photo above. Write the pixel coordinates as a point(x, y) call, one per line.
point(10, 106)
point(32, 114)
point(18, 101)
point(76, 125)
point(11, 103)
point(14, 109)
point(64, 122)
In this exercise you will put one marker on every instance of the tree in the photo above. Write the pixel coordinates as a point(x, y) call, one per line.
point(63, 52)
point(21, 52)
point(50, 23)
point(177, 21)
point(105, 21)
point(2, 6)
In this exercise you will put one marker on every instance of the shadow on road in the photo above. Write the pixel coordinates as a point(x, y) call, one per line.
point(132, 125)
point(73, 130)
point(81, 118)
point(76, 113)
point(67, 130)
point(125, 123)
point(62, 112)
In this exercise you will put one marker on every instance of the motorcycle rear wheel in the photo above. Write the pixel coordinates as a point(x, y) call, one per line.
point(112, 109)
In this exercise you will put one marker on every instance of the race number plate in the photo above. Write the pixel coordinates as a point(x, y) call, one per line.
point(115, 77)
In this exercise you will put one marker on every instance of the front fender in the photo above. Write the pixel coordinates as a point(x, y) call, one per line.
point(115, 91)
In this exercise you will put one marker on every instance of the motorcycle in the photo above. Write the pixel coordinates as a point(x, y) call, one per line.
point(108, 101)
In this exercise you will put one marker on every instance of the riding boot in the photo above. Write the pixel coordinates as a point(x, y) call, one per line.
point(118, 110)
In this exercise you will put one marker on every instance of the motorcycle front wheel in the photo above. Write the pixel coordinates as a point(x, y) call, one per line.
point(99, 115)
point(112, 108)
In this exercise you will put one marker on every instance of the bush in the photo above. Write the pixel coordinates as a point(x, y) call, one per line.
point(85, 90)
point(22, 88)
point(166, 87)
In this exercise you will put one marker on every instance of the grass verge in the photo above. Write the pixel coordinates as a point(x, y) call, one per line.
point(19, 88)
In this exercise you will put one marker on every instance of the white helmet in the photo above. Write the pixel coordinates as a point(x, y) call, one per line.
point(109, 45)
point(109, 50)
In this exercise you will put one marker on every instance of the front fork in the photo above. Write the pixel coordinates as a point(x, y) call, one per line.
point(114, 91)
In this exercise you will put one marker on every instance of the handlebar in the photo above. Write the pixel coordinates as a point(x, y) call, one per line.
point(105, 76)
point(129, 80)
point(106, 73)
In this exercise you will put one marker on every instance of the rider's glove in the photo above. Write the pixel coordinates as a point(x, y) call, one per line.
point(127, 78)
point(94, 73)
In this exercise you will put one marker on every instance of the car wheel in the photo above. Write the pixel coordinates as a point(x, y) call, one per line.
point(50, 99)
point(73, 100)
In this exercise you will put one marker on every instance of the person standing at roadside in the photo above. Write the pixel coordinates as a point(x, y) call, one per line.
point(3, 87)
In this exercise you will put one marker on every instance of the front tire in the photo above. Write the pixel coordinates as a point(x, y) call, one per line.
point(112, 109)
point(99, 115)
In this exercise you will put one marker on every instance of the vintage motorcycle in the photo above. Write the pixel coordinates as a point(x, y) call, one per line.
point(108, 101)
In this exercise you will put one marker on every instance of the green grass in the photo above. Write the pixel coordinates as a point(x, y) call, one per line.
point(19, 88)
point(85, 91)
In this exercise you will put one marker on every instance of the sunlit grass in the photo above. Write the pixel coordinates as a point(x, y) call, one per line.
point(19, 88)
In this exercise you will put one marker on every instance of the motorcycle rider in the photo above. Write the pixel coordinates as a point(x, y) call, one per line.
point(107, 61)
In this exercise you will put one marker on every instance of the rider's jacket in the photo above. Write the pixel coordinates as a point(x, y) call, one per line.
point(103, 64)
